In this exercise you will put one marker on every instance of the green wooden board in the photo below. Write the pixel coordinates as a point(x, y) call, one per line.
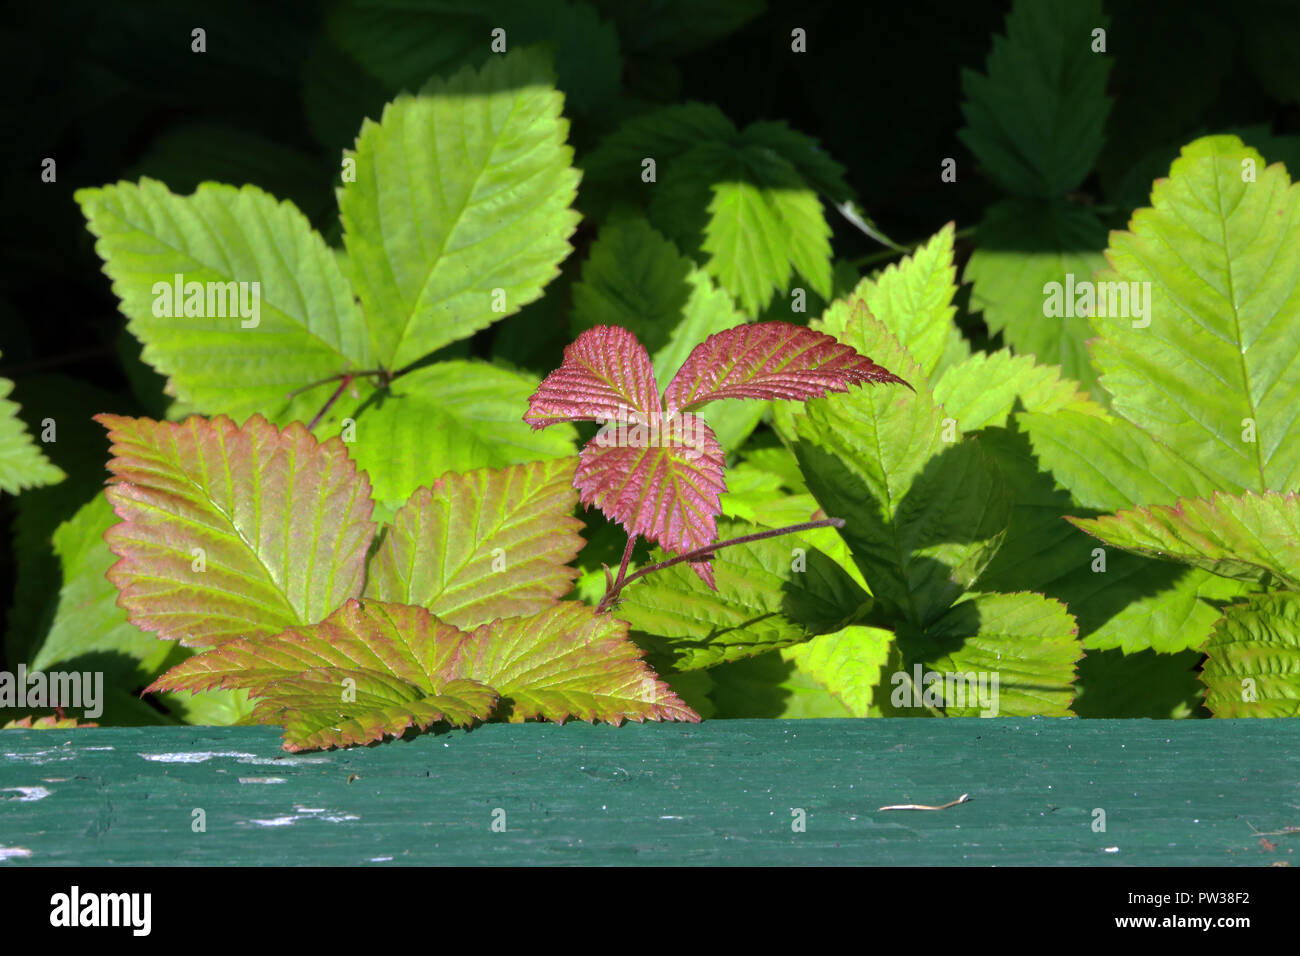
point(722, 792)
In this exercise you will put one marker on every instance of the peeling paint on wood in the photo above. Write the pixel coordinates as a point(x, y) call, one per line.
point(1172, 792)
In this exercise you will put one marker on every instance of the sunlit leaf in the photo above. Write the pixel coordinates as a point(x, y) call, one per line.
point(482, 545)
point(232, 531)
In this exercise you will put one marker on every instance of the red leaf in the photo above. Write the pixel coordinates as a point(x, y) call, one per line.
point(606, 376)
point(662, 483)
point(769, 360)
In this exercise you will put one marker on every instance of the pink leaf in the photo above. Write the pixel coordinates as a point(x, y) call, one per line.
point(606, 376)
point(769, 360)
point(659, 482)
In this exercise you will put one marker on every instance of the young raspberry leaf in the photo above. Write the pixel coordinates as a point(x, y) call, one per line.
point(396, 657)
point(568, 661)
point(769, 360)
point(490, 543)
point(232, 531)
point(606, 376)
point(660, 483)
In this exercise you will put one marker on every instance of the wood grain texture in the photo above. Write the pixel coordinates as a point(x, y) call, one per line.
point(723, 792)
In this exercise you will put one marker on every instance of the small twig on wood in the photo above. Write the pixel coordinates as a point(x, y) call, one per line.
point(921, 806)
point(1285, 831)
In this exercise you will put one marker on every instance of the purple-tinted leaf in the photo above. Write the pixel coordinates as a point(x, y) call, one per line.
point(660, 483)
point(606, 376)
point(769, 360)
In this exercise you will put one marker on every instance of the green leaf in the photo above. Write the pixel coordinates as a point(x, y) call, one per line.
point(1021, 248)
point(403, 44)
point(484, 545)
point(22, 465)
point(761, 221)
point(87, 621)
point(769, 686)
point(662, 134)
point(984, 389)
point(776, 460)
point(770, 594)
point(568, 661)
point(635, 278)
point(1146, 685)
point(1249, 538)
point(1121, 600)
point(924, 515)
point(368, 670)
point(81, 449)
point(1254, 659)
point(912, 298)
point(1108, 463)
point(308, 325)
point(803, 152)
point(448, 416)
point(670, 28)
point(1035, 120)
point(1215, 373)
point(755, 497)
point(850, 663)
point(1027, 642)
point(459, 214)
point(188, 154)
point(232, 532)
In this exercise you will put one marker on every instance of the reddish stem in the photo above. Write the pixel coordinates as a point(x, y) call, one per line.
point(701, 554)
point(347, 380)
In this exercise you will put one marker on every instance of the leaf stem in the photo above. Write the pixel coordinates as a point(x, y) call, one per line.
point(344, 379)
point(705, 553)
point(627, 558)
point(347, 380)
point(886, 254)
